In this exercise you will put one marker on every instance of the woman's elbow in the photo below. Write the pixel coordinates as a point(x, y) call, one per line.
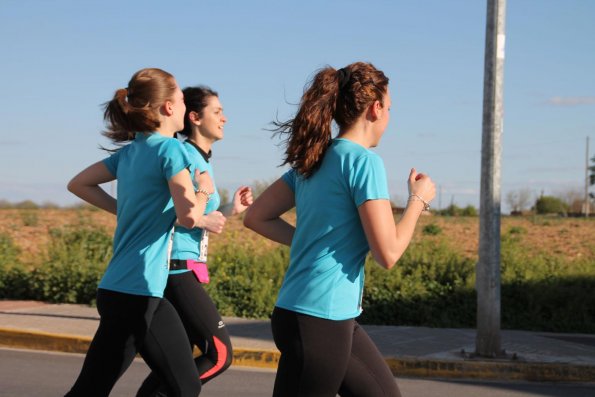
point(387, 265)
point(249, 218)
point(386, 259)
point(73, 186)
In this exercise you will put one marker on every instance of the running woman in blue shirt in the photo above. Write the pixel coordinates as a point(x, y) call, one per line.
point(203, 126)
point(151, 169)
point(339, 189)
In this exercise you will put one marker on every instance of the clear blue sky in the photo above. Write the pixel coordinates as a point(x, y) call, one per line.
point(62, 59)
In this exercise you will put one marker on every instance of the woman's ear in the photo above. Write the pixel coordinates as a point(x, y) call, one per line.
point(168, 108)
point(375, 110)
point(194, 118)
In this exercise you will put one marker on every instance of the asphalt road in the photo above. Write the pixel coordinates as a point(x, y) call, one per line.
point(49, 374)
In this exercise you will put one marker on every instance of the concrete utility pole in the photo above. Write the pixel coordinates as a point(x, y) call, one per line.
point(587, 180)
point(487, 285)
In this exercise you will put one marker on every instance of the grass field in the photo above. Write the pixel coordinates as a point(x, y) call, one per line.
point(571, 238)
point(547, 269)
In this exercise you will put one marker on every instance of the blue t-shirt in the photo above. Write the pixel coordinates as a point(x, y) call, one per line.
point(325, 277)
point(186, 243)
point(145, 213)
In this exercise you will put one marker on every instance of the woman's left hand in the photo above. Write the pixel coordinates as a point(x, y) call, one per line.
point(242, 199)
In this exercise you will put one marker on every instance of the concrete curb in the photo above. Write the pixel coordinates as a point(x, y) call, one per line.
point(402, 366)
point(38, 340)
point(493, 370)
point(256, 358)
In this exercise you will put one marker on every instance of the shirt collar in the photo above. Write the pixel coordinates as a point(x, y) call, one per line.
point(205, 156)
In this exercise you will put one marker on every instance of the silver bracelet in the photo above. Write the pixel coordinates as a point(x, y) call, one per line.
point(203, 191)
point(412, 197)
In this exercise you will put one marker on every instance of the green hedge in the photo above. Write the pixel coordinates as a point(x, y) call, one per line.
point(432, 284)
point(71, 267)
point(9, 252)
point(243, 284)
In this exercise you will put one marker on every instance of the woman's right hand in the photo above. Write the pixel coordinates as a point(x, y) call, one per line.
point(213, 222)
point(421, 185)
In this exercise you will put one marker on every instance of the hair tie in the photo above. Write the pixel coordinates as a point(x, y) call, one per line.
point(343, 75)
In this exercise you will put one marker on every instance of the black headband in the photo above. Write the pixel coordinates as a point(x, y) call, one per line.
point(343, 75)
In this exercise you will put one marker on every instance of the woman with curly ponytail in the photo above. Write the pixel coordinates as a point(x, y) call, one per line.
point(339, 189)
point(155, 189)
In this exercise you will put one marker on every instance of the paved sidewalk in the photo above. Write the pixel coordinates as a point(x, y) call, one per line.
point(410, 351)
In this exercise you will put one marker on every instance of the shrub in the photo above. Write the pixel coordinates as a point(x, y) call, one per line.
point(27, 204)
point(9, 252)
point(454, 210)
point(13, 279)
point(469, 211)
point(69, 282)
point(74, 263)
point(430, 285)
point(431, 229)
point(451, 210)
point(83, 245)
point(550, 205)
point(244, 284)
point(77, 258)
point(517, 230)
point(15, 283)
point(545, 292)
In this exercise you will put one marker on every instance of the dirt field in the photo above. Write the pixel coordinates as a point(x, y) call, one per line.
point(573, 237)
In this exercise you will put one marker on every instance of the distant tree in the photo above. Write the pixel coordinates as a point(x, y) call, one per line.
point(455, 210)
point(49, 205)
point(574, 199)
point(469, 211)
point(518, 200)
point(550, 205)
point(27, 205)
point(451, 210)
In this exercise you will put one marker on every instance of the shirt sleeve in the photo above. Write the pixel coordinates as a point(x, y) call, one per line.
point(367, 179)
point(289, 178)
point(174, 158)
point(112, 162)
point(199, 165)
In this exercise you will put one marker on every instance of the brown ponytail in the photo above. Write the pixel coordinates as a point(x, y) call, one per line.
point(340, 95)
point(136, 108)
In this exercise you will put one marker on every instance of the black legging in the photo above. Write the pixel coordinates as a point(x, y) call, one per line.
point(320, 358)
point(204, 327)
point(131, 324)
